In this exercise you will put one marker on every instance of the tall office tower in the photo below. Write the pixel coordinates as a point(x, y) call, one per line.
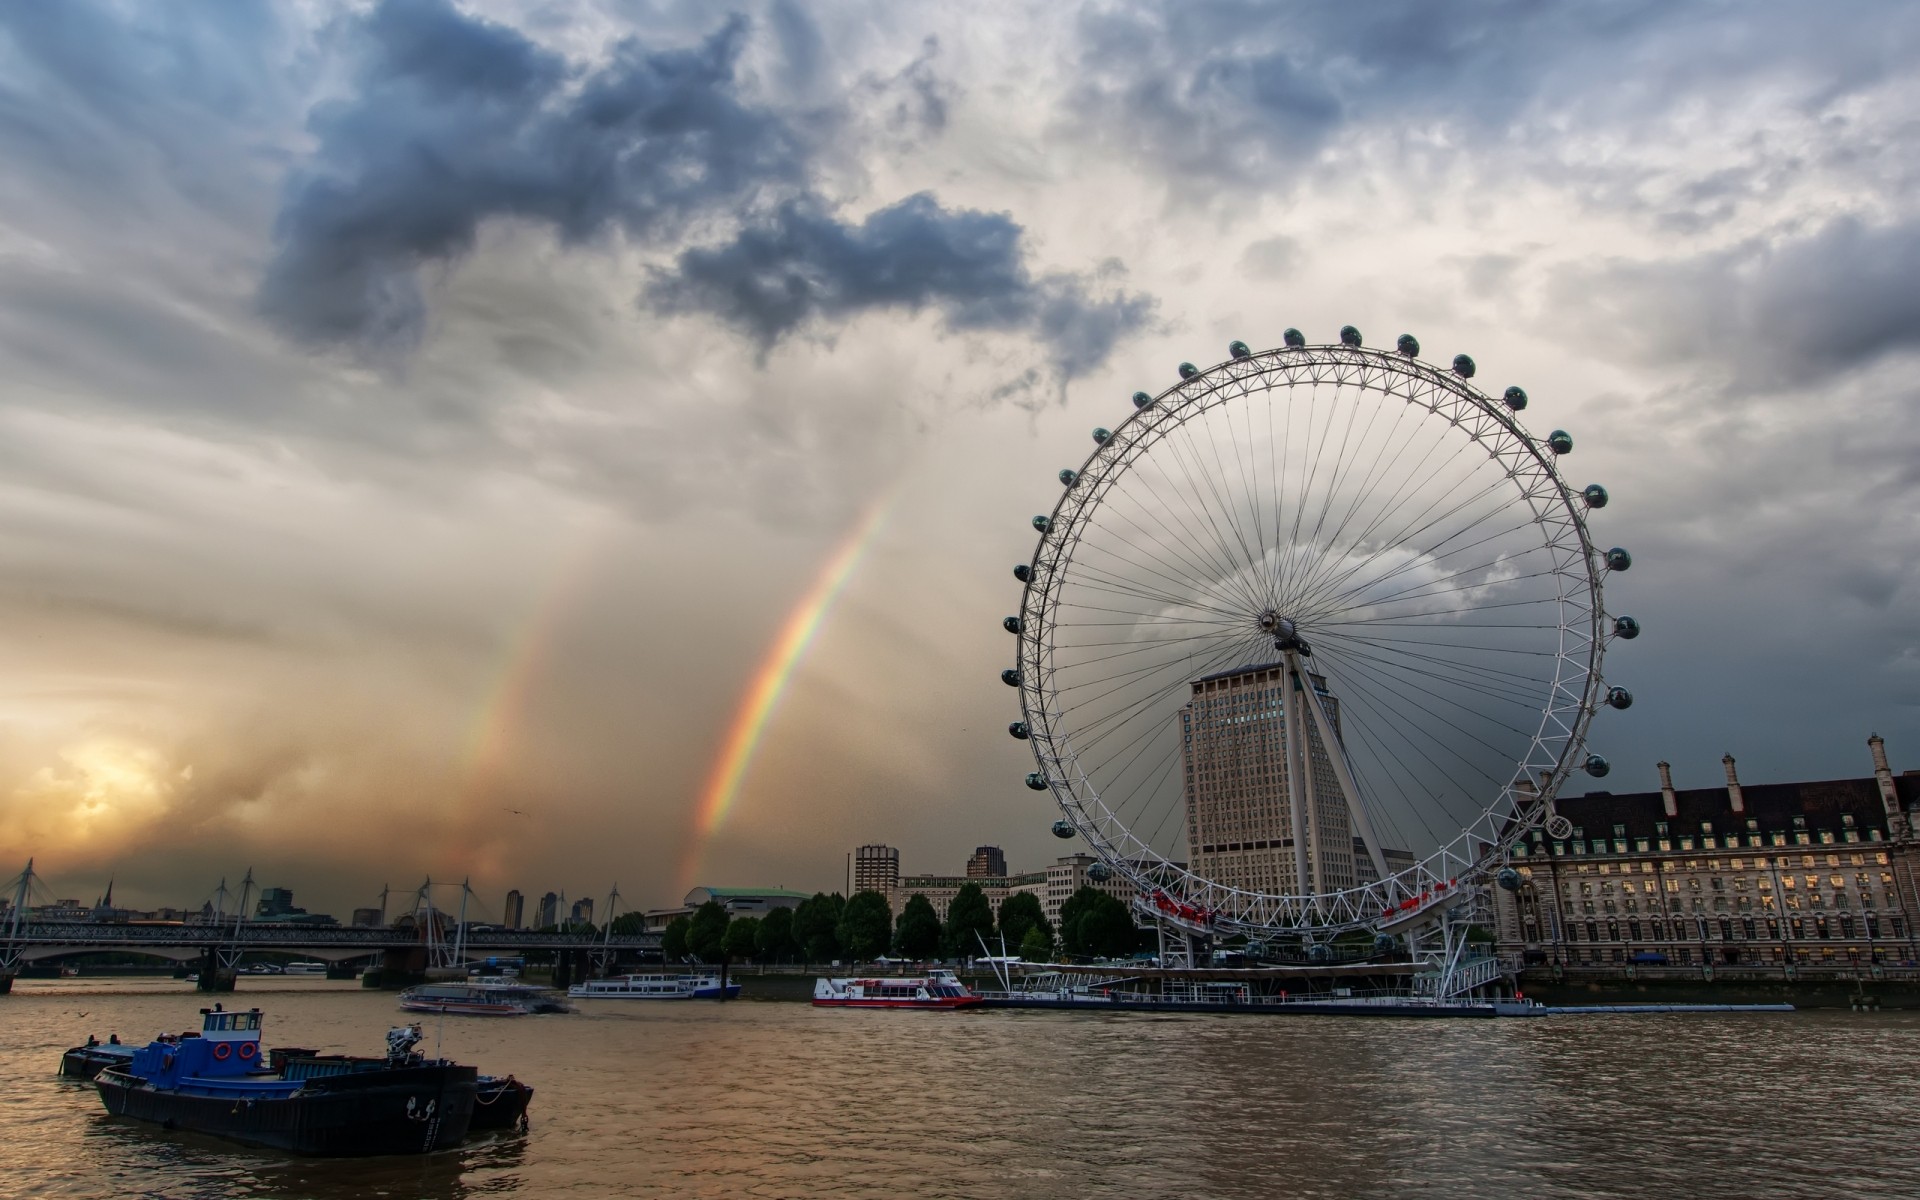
point(1240, 792)
point(515, 910)
point(987, 863)
point(876, 869)
point(583, 910)
point(549, 911)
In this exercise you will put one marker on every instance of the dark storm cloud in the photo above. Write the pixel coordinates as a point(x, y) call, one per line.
point(456, 120)
point(1779, 312)
point(803, 266)
point(1249, 94)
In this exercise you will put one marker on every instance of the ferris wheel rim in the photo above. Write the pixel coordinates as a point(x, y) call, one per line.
point(1568, 707)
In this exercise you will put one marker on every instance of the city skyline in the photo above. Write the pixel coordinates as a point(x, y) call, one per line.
point(366, 526)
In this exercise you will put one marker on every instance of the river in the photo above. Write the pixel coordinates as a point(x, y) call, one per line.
point(770, 1099)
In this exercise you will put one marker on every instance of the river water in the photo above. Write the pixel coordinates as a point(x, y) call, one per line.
point(783, 1100)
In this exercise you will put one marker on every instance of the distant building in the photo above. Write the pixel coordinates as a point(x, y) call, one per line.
point(515, 909)
point(1741, 878)
point(549, 911)
point(276, 903)
point(876, 869)
point(738, 902)
point(367, 918)
point(1363, 873)
point(583, 911)
point(941, 889)
point(986, 863)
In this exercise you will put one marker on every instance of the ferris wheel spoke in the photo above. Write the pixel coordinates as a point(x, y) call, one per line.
point(1432, 555)
point(1190, 571)
point(1409, 672)
point(1394, 718)
point(1332, 487)
point(1219, 571)
point(1474, 669)
point(1388, 609)
point(1230, 508)
point(1405, 682)
point(1243, 569)
point(1422, 521)
point(1107, 580)
point(1384, 466)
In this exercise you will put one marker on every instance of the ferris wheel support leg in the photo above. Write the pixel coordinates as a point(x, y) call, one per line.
point(1336, 755)
point(1290, 718)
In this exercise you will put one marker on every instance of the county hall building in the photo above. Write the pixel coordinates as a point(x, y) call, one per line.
point(1795, 877)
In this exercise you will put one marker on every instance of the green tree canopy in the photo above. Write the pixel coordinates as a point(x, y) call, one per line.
point(706, 936)
point(673, 940)
point(628, 924)
point(1020, 913)
point(816, 924)
point(1096, 925)
point(1036, 946)
point(969, 915)
point(917, 935)
point(743, 937)
point(866, 926)
point(773, 938)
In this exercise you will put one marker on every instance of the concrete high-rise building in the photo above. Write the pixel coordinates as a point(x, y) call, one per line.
point(583, 910)
point(1241, 796)
point(515, 909)
point(987, 862)
point(876, 869)
point(367, 918)
point(549, 912)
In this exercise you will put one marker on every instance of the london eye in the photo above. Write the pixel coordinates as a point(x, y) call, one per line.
point(1311, 639)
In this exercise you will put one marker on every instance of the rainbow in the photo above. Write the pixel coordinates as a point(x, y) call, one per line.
point(768, 685)
point(502, 709)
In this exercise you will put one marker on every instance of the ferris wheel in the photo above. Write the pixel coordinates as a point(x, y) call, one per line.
point(1312, 639)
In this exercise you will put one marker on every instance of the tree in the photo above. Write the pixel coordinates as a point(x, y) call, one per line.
point(707, 935)
point(628, 924)
point(743, 937)
point(1095, 925)
point(866, 926)
point(815, 926)
point(673, 940)
point(1020, 913)
point(917, 935)
point(1036, 946)
point(969, 915)
point(773, 938)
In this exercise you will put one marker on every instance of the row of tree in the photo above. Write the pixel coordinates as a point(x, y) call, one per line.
point(828, 927)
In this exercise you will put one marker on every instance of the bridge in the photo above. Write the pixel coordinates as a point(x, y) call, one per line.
point(405, 946)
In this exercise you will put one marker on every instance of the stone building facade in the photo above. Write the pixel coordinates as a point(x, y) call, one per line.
point(1800, 877)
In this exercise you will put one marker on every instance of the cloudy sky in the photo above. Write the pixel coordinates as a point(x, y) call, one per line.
point(418, 421)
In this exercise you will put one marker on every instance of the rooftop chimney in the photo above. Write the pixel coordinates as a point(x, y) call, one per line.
point(1733, 785)
point(1666, 791)
point(1883, 775)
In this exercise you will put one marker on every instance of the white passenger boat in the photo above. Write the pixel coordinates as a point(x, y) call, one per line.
point(658, 986)
point(936, 989)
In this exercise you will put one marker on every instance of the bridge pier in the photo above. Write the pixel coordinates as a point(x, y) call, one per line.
point(6, 981)
point(213, 976)
point(562, 968)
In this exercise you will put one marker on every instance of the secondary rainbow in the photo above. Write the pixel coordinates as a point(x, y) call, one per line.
point(769, 685)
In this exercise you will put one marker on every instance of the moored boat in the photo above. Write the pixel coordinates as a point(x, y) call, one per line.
point(482, 999)
point(217, 1084)
point(84, 1062)
point(937, 989)
point(657, 986)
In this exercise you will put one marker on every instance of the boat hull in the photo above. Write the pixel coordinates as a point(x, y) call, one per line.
point(460, 1009)
point(408, 1110)
point(934, 1003)
point(84, 1062)
point(500, 1104)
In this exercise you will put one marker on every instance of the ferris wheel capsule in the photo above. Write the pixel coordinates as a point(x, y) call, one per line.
point(1560, 442)
point(1238, 350)
point(1043, 523)
point(1508, 878)
point(1019, 730)
point(1036, 781)
point(1011, 624)
point(1010, 677)
point(1463, 366)
point(1102, 435)
point(1618, 559)
point(1022, 572)
point(1597, 766)
point(1099, 872)
point(1188, 370)
point(1515, 398)
point(1349, 336)
point(1061, 829)
point(1626, 628)
point(1141, 399)
point(1294, 339)
point(1594, 495)
point(1408, 345)
point(1068, 475)
point(1619, 697)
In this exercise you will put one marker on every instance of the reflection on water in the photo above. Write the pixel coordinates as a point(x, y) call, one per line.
point(744, 1099)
